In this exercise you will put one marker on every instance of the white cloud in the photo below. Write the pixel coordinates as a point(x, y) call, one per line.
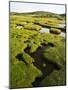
point(30, 7)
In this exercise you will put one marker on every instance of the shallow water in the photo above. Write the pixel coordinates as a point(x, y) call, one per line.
point(44, 30)
point(48, 31)
point(62, 34)
point(62, 25)
point(19, 27)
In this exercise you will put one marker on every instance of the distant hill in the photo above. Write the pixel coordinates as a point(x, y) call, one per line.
point(46, 14)
point(63, 15)
point(41, 14)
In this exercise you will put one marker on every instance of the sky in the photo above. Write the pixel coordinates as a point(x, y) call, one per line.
point(31, 7)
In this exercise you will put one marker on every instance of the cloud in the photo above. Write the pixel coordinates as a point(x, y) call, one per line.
point(30, 7)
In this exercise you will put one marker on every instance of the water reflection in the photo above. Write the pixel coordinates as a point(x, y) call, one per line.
point(19, 27)
point(61, 25)
point(62, 34)
point(44, 30)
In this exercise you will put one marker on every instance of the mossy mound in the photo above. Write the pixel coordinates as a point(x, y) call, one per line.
point(55, 31)
point(32, 26)
point(22, 75)
point(56, 78)
point(27, 58)
point(55, 55)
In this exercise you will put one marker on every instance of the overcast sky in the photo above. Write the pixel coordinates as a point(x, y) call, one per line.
point(30, 7)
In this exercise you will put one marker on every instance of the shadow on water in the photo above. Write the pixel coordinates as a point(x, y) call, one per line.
point(42, 64)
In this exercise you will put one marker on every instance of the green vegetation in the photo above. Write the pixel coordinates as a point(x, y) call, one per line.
point(28, 59)
point(26, 40)
point(23, 75)
point(56, 78)
point(55, 55)
point(32, 26)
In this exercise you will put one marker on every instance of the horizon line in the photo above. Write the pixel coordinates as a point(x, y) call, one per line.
point(35, 11)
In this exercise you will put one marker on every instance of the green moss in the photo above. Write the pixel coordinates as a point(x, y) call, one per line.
point(52, 38)
point(32, 26)
point(56, 78)
point(28, 59)
point(22, 75)
point(33, 48)
point(55, 55)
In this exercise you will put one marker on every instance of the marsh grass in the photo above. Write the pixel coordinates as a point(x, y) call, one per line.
point(23, 65)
